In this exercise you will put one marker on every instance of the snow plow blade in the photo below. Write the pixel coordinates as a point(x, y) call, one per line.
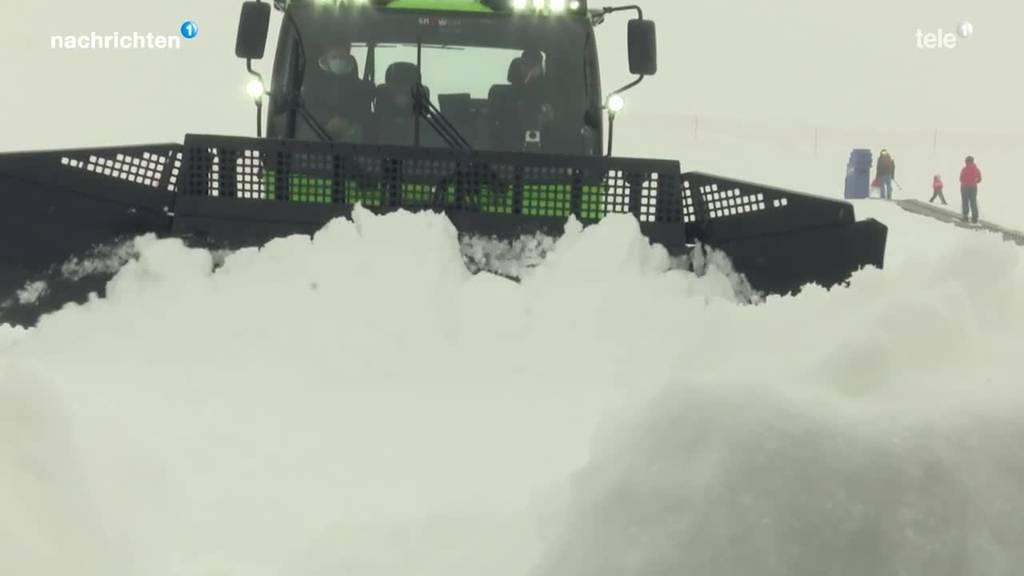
point(63, 207)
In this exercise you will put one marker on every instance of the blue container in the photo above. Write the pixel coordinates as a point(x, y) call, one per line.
point(858, 174)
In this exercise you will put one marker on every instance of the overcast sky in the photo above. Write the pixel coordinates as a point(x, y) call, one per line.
point(836, 63)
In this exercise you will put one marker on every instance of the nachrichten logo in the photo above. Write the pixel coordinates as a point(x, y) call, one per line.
point(125, 41)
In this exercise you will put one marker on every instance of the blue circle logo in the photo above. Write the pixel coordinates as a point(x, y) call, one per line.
point(189, 30)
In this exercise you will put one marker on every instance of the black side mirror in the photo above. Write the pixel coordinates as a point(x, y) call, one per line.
point(252, 30)
point(643, 48)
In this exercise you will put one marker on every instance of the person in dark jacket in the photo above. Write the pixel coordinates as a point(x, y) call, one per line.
point(529, 103)
point(886, 168)
point(937, 187)
point(533, 82)
point(970, 177)
point(335, 94)
point(533, 70)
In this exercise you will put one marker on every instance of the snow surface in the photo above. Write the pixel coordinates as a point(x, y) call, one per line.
point(362, 404)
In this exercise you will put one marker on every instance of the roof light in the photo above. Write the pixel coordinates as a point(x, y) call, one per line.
point(529, 6)
point(550, 6)
point(341, 2)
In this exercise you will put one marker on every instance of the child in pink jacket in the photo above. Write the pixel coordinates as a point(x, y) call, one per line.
point(937, 190)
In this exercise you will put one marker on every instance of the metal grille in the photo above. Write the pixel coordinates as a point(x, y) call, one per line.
point(689, 203)
point(172, 183)
point(713, 198)
point(148, 168)
point(723, 203)
point(525, 185)
point(399, 177)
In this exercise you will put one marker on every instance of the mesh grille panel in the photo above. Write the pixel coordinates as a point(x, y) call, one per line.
point(484, 182)
point(709, 200)
point(492, 183)
point(152, 169)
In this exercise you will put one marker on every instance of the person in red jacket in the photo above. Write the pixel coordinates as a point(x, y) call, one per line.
point(970, 177)
point(937, 190)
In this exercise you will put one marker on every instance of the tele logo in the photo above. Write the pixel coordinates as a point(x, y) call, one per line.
point(941, 39)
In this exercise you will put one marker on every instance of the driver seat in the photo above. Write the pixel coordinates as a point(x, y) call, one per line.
point(393, 104)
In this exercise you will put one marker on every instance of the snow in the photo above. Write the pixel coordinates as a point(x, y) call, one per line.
point(361, 403)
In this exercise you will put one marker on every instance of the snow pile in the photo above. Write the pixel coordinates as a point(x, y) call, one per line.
point(361, 403)
point(509, 259)
point(871, 431)
point(103, 260)
point(355, 402)
point(31, 292)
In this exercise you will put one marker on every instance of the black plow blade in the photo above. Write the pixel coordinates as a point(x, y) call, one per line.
point(62, 209)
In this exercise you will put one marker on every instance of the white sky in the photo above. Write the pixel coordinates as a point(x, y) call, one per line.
point(842, 64)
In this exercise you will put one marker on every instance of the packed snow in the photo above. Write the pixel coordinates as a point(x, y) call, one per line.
point(361, 403)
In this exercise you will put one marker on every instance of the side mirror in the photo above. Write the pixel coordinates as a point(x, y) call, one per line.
point(643, 48)
point(252, 30)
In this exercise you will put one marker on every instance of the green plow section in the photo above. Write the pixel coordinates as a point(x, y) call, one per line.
point(538, 199)
point(318, 190)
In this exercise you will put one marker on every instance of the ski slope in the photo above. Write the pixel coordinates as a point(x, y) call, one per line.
point(361, 404)
point(944, 214)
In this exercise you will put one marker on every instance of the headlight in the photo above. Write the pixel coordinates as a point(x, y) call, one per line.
point(616, 103)
point(255, 88)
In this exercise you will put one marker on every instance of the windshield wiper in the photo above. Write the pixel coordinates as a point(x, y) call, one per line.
point(299, 106)
point(426, 110)
point(294, 99)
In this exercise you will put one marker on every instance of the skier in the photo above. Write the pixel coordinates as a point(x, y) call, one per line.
point(886, 169)
point(970, 177)
point(937, 190)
